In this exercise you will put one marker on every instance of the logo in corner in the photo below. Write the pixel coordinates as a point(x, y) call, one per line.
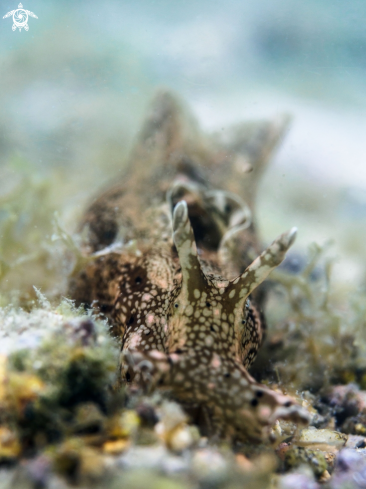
point(20, 17)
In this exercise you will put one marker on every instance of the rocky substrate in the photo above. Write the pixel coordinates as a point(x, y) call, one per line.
point(63, 423)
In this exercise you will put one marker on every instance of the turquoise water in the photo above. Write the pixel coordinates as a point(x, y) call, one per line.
point(86, 64)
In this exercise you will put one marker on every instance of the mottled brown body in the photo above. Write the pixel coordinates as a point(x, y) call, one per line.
point(171, 252)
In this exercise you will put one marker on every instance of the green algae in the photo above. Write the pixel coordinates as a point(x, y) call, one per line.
point(315, 333)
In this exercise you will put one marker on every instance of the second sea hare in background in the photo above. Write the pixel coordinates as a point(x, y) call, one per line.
point(171, 259)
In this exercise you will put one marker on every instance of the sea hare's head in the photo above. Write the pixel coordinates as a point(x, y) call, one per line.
point(211, 314)
point(212, 332)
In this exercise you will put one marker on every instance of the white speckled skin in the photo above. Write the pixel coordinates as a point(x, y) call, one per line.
point(178, 294)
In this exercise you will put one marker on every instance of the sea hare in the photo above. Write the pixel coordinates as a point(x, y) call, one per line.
point(171, 259)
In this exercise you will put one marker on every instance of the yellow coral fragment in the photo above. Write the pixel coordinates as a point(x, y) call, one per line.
point(9, 444)
point(18, 389)
point(123, 426)
point(115, 447)
point(22, 388)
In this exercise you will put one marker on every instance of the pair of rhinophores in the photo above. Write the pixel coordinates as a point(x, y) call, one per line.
point(172, 262)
